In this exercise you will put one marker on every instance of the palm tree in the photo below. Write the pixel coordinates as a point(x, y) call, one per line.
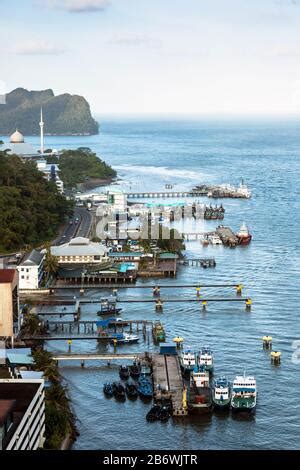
point(50, 263)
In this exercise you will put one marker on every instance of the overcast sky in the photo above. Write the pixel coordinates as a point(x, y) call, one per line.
point(157, 56)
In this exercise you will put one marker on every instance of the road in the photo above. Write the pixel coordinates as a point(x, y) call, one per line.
point(80, 226)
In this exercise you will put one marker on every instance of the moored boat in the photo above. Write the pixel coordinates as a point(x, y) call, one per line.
point(244, 393)
point(131, 390)
point(124, 372)
point(206, 359)
point(145, 387)
point(135, 370)
point(199, 391)
point(158, 332)
point(244, 237)
point(214, 239)
point(221, 393)
point(126, 338)
point(119, 390)
point(187, 360)
point(108, 389)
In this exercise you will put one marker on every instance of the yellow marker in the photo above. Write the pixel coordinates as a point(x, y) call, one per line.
point(184, 399)
point(69, 342)
point(275, 357)
point(198, 291)
point(239, 288)
point(204, 304)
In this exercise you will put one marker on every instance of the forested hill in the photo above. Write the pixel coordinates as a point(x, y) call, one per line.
point(63, 114)
point(31, 208)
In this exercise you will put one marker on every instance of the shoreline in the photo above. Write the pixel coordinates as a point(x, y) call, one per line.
point(94, 183)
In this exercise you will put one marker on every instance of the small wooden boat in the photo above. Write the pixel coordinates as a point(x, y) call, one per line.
point(108, 389)
point(119, 390)
point(135, 370)
point(124, 372)
point(131, 390)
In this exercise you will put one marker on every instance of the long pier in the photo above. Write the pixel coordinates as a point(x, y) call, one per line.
point(166, 194)
point(97, 357)
point(142, 286)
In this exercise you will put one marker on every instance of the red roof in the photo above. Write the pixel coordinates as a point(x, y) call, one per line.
point(7, 276)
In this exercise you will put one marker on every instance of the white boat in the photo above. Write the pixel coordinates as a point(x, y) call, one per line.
point(243, 191)
point(199, 392)
point(221, 393)
point(187, 360)
point(244, 393)
point(127, 338)
point(206, 359)
point(215, 239)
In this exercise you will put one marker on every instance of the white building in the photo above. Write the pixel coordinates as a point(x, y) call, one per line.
point(117, 199)
point(80, 250)
point(51, 171)
point(22, 414)
point(18, 146)
point(31, 270)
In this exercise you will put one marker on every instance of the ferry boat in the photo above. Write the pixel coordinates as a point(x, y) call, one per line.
point(221, 395)
point(199, 392)
point(214, 239)
point(187, 360)
point(206, 359)
point(244, 237)
point(244, 393)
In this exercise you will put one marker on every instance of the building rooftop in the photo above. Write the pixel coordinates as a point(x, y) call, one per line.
point(125, 254)
point(7, 276)
point(168, 256)
point(79, 247)
point(34, 258)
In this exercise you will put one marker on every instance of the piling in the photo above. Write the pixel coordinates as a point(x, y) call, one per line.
point(156, 291)
point(267, 342)
point(275, 357)
point(178, 341)
point(159, 305)
point(204, 304)
point(248, 303)
point(198, 291)
point(69, 344)
point(239, 289)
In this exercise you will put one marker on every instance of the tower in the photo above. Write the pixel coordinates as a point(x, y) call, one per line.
point(42, 132)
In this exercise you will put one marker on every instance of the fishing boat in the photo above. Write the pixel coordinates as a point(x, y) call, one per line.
point(214, 239)
point(146, 369)
point(244, 393)
point(199, 391)
point(145, 387)
point(124, 372)
point(187, 360)
point(244, 237)
point(164, 414)
point(131, 390)
point(126, 338)
point(119, 390)
point(206, 359)
point(221, 395)
point(153, 414)
point(158, 332)
point(135, 370)
point(108, 389)
point(108, 306)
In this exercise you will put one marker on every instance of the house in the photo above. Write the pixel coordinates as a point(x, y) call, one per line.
point(78, 251)
point(9, 302)
point(22, 414)
point(51, 173)
point(31, 270)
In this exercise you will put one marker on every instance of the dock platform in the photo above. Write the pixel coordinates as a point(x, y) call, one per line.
point(168, 382)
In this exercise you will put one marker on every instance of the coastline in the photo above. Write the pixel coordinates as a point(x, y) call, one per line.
point(93, 183)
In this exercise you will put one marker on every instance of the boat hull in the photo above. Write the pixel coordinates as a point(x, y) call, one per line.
point(221, 404)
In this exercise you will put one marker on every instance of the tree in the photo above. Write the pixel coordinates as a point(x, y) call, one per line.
point(50, 263)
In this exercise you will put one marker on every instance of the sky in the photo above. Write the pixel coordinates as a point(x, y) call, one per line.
point(204, 57)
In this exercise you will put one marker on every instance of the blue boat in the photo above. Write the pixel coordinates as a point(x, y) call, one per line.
point(145, 387)
point(108, 389)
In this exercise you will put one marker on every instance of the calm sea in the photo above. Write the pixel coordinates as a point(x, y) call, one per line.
point(147, 155)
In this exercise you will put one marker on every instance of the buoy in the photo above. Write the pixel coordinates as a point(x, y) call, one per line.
point(275, 357)
point(267, 342)
point(204, 304)
point(198, 291)
point(248, 304)
point(239, 289)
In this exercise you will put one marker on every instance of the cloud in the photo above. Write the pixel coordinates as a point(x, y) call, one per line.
point(36, 47)
point(135, 39)
point(79, 6)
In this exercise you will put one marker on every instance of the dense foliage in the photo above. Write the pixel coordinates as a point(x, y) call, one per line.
point(63, 114)
point(76, 166)
point(31, 208)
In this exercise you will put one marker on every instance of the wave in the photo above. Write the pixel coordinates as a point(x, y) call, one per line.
point(162, 171)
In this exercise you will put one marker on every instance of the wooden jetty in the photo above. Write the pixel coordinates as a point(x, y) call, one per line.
point(146, 286)
point(227, 236)
point(168, 382)
point(97, 357)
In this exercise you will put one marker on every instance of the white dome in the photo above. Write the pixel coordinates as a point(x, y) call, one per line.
point(17, 138)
